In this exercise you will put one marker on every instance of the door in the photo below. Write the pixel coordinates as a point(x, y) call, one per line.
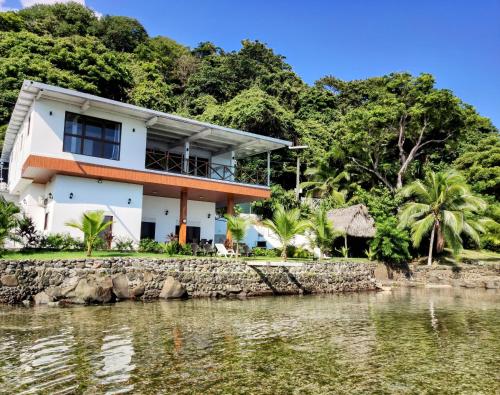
point(192, 234)
point(148, 230)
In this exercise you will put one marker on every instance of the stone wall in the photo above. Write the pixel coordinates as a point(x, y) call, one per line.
point(106, 280)
point(466, 275)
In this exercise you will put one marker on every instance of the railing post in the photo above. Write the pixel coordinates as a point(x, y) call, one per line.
point(232, 168)
point(268, 168)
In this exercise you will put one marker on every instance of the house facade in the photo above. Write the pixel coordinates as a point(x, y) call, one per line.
point(152, 173)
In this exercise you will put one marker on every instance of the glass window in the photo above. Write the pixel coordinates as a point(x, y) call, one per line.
point(92, 136)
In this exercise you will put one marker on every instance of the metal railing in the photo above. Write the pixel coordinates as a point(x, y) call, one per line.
point(202, 167)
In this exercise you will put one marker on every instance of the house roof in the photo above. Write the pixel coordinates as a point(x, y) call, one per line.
point(172, 129)
point(354, 221)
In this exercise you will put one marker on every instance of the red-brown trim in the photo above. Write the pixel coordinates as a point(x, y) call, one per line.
point(89, 170)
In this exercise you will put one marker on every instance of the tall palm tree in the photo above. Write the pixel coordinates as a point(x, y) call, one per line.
point(444, 207)
point(238, 227)
point(92, 224)
point(286, 224)
point(325, 180)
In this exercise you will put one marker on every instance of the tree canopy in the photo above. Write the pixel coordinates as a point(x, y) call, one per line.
point(386, 131)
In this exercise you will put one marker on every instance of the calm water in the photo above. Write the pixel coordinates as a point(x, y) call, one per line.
point(407, 341)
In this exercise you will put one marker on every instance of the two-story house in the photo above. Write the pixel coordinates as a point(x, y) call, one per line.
point(151, 172)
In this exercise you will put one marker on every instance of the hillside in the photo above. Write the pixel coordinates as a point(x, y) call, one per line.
point(384, 131)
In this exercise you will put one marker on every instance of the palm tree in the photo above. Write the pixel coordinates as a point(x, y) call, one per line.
point(92, 224)
point(325, 180)
point(322, 232)
point(286, 224)
point(444, 207)
point(238, 226)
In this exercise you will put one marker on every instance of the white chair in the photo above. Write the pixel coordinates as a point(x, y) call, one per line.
point(223, 251)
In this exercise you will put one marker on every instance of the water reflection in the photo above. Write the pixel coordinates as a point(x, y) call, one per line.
point(407, 341)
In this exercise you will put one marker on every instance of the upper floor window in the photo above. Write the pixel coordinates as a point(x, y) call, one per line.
point(92, 136)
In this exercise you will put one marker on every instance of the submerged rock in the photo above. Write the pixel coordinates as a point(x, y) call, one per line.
point(93, 291)
point(120, 286)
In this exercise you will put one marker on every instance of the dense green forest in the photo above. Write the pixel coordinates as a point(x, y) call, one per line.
point(367, 138)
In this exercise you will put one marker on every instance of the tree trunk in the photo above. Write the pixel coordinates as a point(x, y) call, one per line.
point(439, 238)
point(431, 246)
point(283, 253)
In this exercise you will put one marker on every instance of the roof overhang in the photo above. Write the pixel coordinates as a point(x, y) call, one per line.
point(172, 129)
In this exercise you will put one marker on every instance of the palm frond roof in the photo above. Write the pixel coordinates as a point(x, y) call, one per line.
point(353, 220)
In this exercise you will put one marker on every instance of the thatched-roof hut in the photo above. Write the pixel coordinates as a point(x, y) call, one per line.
point(355, 221)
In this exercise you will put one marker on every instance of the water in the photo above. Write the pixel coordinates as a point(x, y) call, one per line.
point(408, 341)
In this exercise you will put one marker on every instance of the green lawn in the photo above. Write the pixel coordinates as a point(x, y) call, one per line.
point(55, 255)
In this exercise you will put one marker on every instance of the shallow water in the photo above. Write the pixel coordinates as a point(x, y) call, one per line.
point(407, 341)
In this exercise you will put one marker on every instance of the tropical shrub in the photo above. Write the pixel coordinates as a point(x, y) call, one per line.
point(149, 245)
point(259, 251)
point(171, 248)
point(321, 230)
point(124, 244)
point(8, 220)
point(59, 241)
point(390, 244)
point(92, 224)
point(26, 232)
point(185, 249)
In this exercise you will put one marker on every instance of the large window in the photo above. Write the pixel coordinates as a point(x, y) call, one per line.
point(92, 136)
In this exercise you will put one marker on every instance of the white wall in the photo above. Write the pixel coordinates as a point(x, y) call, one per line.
point(19, 153)
point(30, 204)
point(48, 135)
point(153, 210)
point(111, 197)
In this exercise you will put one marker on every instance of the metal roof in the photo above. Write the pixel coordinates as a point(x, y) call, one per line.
point(171, 129)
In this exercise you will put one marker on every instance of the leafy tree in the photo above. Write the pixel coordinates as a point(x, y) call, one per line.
point(443, 206)
point(10, 21)
point(286, 224)
point(121, 33)
point(80, 63)
point(8, 220)
point(238, 227)
point(480, 164)
point(92, 224)
point(60, 19)
point(405, 118)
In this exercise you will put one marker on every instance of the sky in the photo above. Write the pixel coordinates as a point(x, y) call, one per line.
point(457, 41)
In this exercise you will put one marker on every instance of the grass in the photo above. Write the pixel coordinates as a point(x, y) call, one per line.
point(65, 255)
point(468, 256)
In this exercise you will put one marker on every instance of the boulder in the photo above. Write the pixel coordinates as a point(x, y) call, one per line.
point(120, 286)
point(492, 284)
point(172, 289)
point(9, 280)
point(93, 290)
point(42, 298)
point(138, 291)
point(69, 285)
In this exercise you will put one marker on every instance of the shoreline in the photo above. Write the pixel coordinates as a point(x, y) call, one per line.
point(95, 281)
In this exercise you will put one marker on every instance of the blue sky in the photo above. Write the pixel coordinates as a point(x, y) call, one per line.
point(458, 41)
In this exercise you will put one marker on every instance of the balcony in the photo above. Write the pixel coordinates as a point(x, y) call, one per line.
point(159, 160)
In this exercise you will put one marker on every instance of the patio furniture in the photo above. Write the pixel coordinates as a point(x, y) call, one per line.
point(208, 249)
point(245, 250)
point(223, 251)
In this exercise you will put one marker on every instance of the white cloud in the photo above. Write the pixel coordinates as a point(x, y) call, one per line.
point(29, 3)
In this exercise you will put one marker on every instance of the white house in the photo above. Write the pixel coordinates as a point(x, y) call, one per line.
point(152, 173)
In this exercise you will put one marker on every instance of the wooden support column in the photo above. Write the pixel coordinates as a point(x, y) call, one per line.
point(229, 211)
point(183, 217)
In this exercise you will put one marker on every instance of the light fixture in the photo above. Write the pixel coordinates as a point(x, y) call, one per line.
point(99, 181)
point(184, 221)
point(71, 195)
point(209, 215)
point(129, 201)
point(166, 212)
point(133, 130)
point(50, 113)
point(50, 196)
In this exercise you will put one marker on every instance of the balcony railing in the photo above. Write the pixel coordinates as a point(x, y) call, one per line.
point(202, 167)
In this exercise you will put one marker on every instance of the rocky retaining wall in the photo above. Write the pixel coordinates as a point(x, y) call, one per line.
point(102, 281)
point(466, 276)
